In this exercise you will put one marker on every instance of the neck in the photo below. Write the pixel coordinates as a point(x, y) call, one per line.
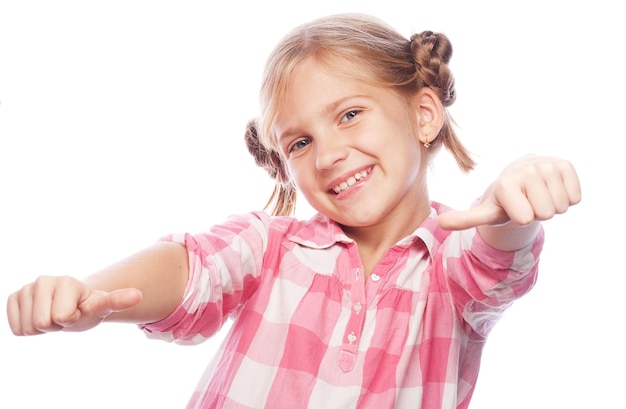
point(373, 241)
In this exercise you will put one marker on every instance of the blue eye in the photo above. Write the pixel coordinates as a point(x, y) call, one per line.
point(300, 144)
point(349, 115)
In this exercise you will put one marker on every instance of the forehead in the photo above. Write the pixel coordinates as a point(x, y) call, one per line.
point(322, 81)
point(312, 73)
point(315, 87)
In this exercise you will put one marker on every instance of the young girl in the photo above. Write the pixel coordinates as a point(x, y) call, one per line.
point(384, 298)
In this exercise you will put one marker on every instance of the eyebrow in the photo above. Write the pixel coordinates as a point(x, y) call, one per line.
point(333, 105)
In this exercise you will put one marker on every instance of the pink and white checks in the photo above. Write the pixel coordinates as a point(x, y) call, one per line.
point(309, 331)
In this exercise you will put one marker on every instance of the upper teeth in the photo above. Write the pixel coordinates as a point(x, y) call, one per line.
point(351, 181)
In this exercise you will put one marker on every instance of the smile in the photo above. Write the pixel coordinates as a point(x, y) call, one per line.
point(343, 186)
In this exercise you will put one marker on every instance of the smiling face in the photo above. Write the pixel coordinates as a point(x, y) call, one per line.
point(352, 149)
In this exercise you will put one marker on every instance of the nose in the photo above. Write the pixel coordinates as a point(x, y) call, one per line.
point(330, 148)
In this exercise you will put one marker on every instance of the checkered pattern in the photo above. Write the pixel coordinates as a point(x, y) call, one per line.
point(309, 331)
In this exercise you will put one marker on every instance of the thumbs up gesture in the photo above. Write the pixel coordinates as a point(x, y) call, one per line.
point(529, 190)
point(64, 303)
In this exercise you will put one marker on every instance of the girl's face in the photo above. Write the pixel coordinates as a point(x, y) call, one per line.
point(352, 149)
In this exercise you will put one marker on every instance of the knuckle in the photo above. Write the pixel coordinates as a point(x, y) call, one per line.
point(524, 220)
point(561, 207)
point(544, 215)
point(503, 185)
point(41, 323)
point(42, 283)
point(43, 280)
point(62, 318)
point(28, 330)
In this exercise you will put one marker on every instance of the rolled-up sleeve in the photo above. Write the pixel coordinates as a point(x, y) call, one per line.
point(224, 269)
point(484, 281)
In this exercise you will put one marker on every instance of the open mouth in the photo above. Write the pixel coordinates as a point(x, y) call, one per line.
point(352, 180)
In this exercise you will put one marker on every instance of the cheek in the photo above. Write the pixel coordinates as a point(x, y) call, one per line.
point(303, 174)
point(298, 172)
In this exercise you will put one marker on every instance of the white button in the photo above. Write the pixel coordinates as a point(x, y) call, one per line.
point(357, 307)
point(351, 337)
point(375, 277)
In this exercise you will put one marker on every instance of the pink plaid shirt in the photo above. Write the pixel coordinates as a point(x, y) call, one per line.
point(309, 331)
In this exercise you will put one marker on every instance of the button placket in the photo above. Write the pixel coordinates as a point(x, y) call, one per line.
point(380, 274)
point(354, 328)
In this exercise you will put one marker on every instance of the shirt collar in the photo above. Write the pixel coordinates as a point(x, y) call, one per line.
point(320, 232)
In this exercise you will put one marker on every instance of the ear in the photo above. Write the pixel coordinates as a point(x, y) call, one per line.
point(430, 114)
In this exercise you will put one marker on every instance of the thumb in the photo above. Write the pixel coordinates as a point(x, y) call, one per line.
point(119, 300)
point(97, 306)
point(486, 213)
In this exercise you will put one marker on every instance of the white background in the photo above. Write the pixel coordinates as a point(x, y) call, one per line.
point(122, 121)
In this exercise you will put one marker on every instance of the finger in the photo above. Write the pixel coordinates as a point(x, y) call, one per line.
point(31, 317)
point(557, 190)
point(68, 294)
point(120, 300)
point(484, 213)
point(571, 183)
point(14, 315)
point(101, 304)
point(515, 204)
point(554, 189)
point(540, 203)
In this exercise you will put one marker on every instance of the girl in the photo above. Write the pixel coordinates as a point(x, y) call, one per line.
point(384, 298)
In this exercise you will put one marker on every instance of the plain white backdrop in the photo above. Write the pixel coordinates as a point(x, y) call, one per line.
point(122, 121)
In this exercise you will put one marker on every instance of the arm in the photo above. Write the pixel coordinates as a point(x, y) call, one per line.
point(527, 192)
point(143, 288)
point(159, 272)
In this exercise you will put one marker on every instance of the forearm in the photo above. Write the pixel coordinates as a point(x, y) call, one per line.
point(509, 236)
point(160, 272)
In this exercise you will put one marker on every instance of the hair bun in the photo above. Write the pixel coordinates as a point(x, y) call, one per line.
point(431, 53)
point(266, 158)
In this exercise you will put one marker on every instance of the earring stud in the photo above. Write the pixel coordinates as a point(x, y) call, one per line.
point(427, 143)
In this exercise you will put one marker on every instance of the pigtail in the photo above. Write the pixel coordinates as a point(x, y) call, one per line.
point(283, 198)
point(431, 53)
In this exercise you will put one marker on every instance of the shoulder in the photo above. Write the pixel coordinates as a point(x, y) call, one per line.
point(264, 223)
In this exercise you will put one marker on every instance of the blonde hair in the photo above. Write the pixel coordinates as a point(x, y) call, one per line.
point(362, 47)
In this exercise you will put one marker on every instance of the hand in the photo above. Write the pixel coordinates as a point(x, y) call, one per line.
point(530, 189)
point(64, 304)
